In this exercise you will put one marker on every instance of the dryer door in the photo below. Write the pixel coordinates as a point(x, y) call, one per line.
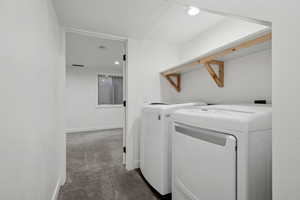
point(204, 164)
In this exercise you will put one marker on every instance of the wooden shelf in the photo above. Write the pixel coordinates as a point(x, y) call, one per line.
point(213, 59)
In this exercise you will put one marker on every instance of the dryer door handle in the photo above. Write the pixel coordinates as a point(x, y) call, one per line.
point(210, 136)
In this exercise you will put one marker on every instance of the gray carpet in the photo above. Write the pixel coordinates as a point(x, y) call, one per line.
point(95, 170)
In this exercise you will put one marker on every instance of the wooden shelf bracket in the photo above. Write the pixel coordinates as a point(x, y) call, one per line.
point(175, 83)
point(218, 79)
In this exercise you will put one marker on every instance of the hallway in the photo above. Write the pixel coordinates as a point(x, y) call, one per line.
point(95, 170)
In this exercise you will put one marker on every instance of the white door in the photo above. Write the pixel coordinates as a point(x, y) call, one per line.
point(204, 164)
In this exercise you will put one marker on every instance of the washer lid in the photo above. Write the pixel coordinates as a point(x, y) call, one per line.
point(227, 117)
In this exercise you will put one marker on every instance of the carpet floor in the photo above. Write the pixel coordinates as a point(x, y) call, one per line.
point(95, 170)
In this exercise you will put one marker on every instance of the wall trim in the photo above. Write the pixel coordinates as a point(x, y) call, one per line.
point(57, 188)
point(78, 130)
point(95, 34)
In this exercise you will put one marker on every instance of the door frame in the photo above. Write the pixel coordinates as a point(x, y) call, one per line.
point(125, 99)
point(125, 72)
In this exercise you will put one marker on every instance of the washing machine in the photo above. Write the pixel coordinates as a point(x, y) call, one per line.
point(155, 145)
point(222, 152)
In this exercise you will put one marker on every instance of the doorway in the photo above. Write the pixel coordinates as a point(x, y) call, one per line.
point(96, 84)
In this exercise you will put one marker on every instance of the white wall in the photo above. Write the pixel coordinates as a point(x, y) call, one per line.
point(82, 112)
point(32, 144)
point(286, 102)
point(145, 61)
point(246, 78)
point(220, 35)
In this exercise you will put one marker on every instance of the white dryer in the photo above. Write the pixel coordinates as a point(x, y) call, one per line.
point(222, 152)
point(155, 145)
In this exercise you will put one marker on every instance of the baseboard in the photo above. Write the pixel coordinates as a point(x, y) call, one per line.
point(135, 164)
point(63, 178)
point(78, 130)
point(56, 190)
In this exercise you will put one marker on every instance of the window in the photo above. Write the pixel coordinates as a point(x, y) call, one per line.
point(110, 90)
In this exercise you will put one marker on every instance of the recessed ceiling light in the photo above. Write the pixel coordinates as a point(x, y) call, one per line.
point(117, 62)
point(193, 11)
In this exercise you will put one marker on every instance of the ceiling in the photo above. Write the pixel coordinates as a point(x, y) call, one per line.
point(84, 50)
point(162, 20)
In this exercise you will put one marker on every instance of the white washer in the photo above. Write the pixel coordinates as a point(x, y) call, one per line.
point(155, 149)
point(222, 152)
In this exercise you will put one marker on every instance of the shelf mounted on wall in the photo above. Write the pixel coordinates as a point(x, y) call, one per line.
point(208, 61)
